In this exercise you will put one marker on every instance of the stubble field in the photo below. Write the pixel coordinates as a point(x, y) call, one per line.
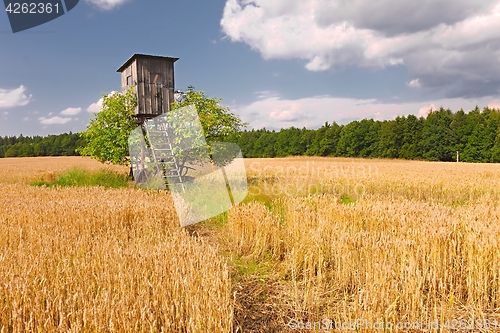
point(319, 243)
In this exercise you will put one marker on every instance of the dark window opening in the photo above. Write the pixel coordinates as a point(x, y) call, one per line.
point(129, 80)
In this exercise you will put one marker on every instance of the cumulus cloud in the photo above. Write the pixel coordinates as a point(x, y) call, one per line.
point(454, 45)
point(71, 111)
point(414, 84)
point(424, 110)
point(10, 98)
point(390, 17)
point(54, 120)
point(107, 4)
point(275, 112)
point(95, 107)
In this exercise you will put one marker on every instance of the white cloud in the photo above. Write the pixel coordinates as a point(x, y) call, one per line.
point(424, 110)
point(266, 94)
point(439, 41)
point(414, 84)
point(71, 111)
point(107, 4)
point(95, 107)
point(13, 97)
point(275, 112)
point(54, 120)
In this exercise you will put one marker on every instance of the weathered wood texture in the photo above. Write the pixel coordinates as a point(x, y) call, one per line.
point(153, 79)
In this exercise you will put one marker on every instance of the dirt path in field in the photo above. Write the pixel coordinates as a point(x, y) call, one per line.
point(256, 301)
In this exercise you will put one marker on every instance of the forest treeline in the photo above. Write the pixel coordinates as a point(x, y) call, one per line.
point(437, 137)
point(51, 145)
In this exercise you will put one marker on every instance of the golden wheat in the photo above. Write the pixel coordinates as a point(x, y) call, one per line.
point(380, 241)
point(97, 260)
point(317, 239)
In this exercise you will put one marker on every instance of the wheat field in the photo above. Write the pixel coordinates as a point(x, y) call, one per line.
point(98, 260)
point(374, 241)
point(319, 242)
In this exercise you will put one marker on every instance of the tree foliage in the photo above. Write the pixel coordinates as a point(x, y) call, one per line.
point(217, 121)
point(475, 134)
point(437, 137)
point(64, 144)
point(107, 133)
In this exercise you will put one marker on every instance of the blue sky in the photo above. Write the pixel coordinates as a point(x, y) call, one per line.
point(276, 63)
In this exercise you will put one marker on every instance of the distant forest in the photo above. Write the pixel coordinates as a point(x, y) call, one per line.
point(52, 145)
point(476, 135)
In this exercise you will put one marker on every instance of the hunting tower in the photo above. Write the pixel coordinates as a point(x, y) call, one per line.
point(153, 79)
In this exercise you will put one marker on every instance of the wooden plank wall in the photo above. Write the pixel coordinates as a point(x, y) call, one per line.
point(154, 99)
point(131, 70)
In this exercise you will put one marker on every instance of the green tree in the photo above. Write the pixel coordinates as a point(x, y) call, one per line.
point(328, 144)
point(246, 141)
point(412, 133)
point(367, 134)
point(437, 138)
point(26, 150)
point(390, 137)
point(107, 133)
point(106, 137)
point(458, 130)
point(306, 140)
point(319, 134)
point(288, 142)
point(264, 145)
point(217, 121)
point(12, 151)
point(349, 144)
point(358, 139)
point(218, 124)
point(480, 143)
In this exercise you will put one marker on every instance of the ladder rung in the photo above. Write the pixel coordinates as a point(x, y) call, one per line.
point(173, 177)
point(158, 131)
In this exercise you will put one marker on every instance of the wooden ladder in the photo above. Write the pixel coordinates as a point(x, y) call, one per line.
point(162, 151)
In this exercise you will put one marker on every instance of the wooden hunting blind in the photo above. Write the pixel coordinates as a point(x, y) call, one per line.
point(153, 80)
